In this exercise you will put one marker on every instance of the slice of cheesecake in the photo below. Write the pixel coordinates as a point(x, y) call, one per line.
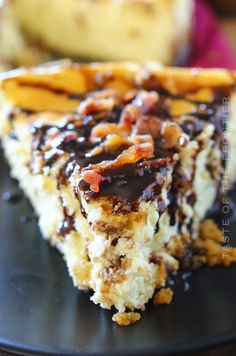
point(121, 163)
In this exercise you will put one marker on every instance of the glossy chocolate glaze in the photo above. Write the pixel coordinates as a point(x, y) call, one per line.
point(145, 184)
point(67, 225)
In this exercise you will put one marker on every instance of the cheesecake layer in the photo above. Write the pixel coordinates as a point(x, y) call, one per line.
point(121, 163)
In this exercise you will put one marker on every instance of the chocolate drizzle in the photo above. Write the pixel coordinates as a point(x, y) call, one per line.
point(67, 225)
point(128, 182)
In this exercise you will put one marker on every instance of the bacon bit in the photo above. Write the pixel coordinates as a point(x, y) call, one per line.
point(130, 96)
point(111, 144)
point(114, 142)
point(132, 155)
point(137, 139)
point(143, 103)
point(148, 125)
point(92, 106)
point(102, 130)
point(146, 101)
point(130, 115)
point(94, 179)
point(171, 133)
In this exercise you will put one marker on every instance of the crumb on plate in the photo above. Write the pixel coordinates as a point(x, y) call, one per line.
point(163, 296)
point(208, 230)
point(125, 319)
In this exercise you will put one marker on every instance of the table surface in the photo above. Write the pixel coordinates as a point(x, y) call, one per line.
point(229, 27)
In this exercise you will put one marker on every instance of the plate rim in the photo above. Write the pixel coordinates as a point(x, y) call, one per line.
point(219, 340)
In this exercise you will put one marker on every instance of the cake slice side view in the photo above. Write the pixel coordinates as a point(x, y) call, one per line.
point(121, 163)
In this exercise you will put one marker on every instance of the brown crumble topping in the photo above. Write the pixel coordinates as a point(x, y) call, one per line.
point(163, 296)
point(125, 319)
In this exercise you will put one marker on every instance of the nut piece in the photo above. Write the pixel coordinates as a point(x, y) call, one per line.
point(163, 296)
point(125, 319)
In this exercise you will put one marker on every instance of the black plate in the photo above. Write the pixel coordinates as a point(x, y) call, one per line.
point(41, 312)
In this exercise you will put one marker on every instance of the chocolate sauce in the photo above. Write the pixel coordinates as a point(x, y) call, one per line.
point(144, 183)
point(68, 224)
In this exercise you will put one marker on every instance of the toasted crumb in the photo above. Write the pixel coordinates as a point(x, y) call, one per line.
point(208, 230)
point(162, 274)
point(229, 255)
point(198, 262)
point(125, 319)
point(163, 296)
point(215, 253)
point(178, 245)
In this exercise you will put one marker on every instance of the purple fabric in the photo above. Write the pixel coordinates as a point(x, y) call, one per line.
point(210, 47)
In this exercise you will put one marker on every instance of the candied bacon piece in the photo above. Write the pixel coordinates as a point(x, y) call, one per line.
point(104, 129)
point(137, 139)
point(143, 103)
point(111, 144)
point(135, 153)
point(116, 141)
point(170, 133)
point(148, 125)
point(94, 179)
point(129, 116)
point(93, 174)
point(130, 96)
point(146, 101)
